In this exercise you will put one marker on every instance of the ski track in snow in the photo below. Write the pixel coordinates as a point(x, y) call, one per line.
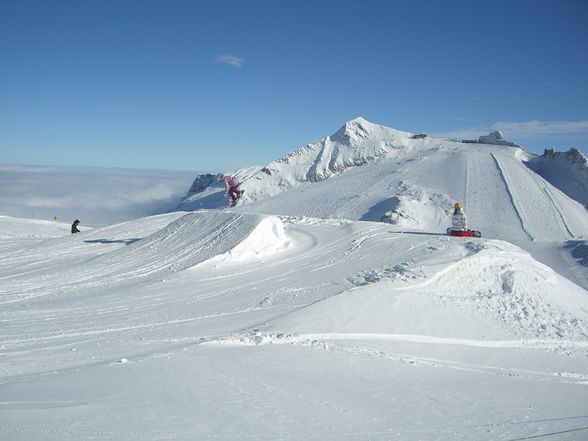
point(559, 211)
point(348, 345)
point(341, 250)
point(530, 190)
point(511, 198)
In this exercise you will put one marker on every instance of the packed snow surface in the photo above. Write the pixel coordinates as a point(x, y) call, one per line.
point(295, 316)
point(226, 325)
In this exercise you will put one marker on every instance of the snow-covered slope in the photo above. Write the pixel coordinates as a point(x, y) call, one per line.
point(357, 143)
point(369, 172)
point(294, 316)
point(228, 325)
point(365, 170)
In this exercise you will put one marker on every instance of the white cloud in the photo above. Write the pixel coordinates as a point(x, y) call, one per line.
point(542, 128)
point(523, 129)
point(229, 59)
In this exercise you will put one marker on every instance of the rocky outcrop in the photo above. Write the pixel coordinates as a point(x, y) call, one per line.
point(201, 183)
point(567, 171)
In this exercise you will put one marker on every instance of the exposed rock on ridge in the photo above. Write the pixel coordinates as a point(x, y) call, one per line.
point(559, 167)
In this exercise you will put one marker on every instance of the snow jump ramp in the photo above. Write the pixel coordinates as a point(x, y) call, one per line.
point(198, 237)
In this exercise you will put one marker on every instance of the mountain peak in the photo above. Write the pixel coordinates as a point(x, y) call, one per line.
point(358, 121)
point(359, 129)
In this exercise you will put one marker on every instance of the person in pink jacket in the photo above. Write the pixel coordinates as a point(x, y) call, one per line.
point(231, 188)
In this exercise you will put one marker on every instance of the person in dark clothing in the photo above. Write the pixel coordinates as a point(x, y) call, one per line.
point(74, 227)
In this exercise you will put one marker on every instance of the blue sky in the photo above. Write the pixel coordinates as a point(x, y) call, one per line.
point(216, 85)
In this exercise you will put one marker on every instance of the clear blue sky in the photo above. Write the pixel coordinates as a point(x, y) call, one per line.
point(215, 85)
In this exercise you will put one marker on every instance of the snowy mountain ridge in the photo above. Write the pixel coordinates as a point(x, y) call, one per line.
point(356, 143)
point(294, 315)
point(360, 142)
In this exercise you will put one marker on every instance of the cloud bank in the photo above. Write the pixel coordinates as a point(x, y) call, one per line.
point(70, 193)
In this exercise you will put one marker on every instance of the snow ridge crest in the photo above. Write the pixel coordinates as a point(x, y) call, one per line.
point(357, 143)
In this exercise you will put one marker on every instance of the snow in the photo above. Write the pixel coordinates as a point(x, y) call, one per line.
point(568, 171)
point(299, 315)
point(413, 183)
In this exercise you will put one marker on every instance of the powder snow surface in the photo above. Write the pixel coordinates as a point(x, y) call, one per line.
point(294, 316)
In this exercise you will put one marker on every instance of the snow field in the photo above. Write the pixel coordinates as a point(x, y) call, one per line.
point(240, 326)
point(306, 323)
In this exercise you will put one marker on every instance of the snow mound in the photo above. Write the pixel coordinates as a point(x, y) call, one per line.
point(489, 291)
point(416, 208)
point(506, 285)
point(121, 254)
point(266, 239)
point(197, 237)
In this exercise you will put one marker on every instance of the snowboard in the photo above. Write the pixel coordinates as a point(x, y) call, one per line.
point(473, 233)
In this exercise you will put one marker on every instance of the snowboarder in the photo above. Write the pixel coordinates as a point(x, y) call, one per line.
point(74, 227)
point(459, 225)
point(231, 188)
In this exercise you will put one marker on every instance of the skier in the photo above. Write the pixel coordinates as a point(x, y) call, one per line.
point(459, 226)
point(74, 227)
point(231, 188)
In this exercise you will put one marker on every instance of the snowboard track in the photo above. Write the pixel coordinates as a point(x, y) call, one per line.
point(348, 343)
point(511, 197)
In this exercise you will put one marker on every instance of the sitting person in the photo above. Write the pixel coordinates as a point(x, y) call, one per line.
point(459, 226)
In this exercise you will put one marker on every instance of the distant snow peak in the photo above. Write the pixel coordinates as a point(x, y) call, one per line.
point(359, 129)
point(353, 131)
point(357, 143)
